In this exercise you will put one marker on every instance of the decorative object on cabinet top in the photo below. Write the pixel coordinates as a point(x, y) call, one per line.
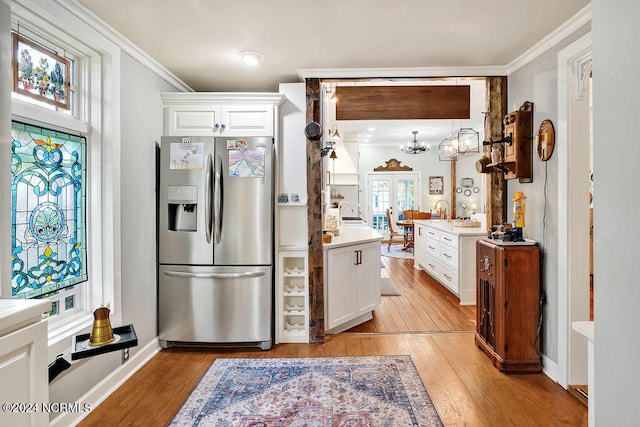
point(392, 165)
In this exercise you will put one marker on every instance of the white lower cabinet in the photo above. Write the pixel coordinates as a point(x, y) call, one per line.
point(23, 362)
point(292, 322)
point(449, 257)
point(352, 285)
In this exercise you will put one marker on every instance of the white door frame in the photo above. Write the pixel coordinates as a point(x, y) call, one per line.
point(417, 191)
point(574, 66)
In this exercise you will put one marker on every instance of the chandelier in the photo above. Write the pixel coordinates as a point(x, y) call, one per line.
point(415, 147)
point(459, 144)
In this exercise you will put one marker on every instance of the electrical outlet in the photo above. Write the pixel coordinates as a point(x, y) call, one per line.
point(125, 354)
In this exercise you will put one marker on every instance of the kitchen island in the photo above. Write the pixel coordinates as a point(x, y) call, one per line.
point(448, 253)
point(352, 277)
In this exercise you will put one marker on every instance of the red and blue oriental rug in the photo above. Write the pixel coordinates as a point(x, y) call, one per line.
point(323, 391)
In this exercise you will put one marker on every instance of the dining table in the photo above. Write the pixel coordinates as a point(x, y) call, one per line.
point(407, 225)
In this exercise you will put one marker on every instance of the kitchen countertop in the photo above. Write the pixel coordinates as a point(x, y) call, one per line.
point(450, 228)
point(352, 235)
point(15, 313)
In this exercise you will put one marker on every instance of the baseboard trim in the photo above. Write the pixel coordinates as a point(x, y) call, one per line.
point(551, 369)
point(109, 384)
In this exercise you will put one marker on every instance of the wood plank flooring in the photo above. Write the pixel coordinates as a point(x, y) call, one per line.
point(423, 306)
point(465, 387)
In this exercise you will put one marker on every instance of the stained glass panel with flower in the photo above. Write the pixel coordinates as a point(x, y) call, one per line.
point(48, 196)
point(40, 73)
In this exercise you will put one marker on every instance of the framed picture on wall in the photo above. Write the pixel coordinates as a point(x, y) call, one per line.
point(436, 185)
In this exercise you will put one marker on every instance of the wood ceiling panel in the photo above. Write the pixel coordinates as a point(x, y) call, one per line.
point(402, 102)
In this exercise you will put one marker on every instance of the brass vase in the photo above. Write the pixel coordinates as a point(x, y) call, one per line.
point(101, 332)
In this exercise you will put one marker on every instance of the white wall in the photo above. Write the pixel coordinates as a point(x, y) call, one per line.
point(537, 82)
point(135, 109)
point(616, 90)
point(142, 125)
point(429, 165)
point(141, 113)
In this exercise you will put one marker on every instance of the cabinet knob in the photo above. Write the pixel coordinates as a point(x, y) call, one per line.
point(222, 126)
point(216, 126)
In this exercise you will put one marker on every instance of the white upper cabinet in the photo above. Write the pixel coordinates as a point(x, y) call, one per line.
point(220, 114)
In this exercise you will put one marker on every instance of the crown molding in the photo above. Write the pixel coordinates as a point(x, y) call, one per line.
point(93, 21)
point(570, 26)
point(574, 23)
point(176, 98)
point(390, 73)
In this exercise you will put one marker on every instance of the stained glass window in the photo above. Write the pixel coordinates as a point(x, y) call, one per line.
point(48, 196)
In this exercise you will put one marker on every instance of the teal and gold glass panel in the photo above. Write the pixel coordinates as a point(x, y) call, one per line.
point(48, 196)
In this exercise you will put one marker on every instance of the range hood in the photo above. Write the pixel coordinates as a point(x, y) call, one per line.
point(343, 169)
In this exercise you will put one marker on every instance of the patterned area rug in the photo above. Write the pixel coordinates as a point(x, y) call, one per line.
point(396, 251)
point(321, 391)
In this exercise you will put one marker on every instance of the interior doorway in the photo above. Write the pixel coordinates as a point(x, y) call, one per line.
point(397, 191)
point(574, 204)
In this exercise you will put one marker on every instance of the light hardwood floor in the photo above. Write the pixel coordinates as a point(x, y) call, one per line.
point(426, 322)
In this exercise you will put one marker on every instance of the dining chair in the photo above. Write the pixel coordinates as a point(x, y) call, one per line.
point(392, 232)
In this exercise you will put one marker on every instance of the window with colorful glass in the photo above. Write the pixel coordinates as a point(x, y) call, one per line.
point(48, 196)
point(42, 75)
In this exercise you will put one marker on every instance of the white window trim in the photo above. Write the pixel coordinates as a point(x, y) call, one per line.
point(100, 122)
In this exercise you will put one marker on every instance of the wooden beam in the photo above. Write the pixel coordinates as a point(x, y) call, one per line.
point(496, 106)
point(454, 180)
point(314, 219)
point(402, 102)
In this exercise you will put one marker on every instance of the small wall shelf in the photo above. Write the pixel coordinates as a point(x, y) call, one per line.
point(128, 338)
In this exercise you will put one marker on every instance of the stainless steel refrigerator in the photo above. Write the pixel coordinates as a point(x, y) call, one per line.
point(215, 237)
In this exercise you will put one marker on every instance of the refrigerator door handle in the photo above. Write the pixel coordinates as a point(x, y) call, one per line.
point(207, 199)
point(246, 275)
point(217, 200)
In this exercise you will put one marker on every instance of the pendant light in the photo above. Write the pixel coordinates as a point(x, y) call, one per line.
point(415, 147)
point(459, 144)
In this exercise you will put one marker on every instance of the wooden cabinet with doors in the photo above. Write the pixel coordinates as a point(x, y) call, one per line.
point(507, 310)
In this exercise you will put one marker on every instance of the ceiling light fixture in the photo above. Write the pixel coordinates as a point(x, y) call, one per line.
point(415, 147)
point(251, 57)
point(459, 144)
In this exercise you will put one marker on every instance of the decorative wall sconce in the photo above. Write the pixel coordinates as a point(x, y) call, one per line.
point(333, 132)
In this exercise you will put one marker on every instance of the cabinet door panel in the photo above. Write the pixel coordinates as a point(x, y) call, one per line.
point(341, 275)
point(449, 278)
point(449, 256)
point(23, 365)
point(433, 248)
point(432, 265)
point(196, 120)
point(368, 285)
point(247, 120)
point(419, 245)
point(449, 239)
